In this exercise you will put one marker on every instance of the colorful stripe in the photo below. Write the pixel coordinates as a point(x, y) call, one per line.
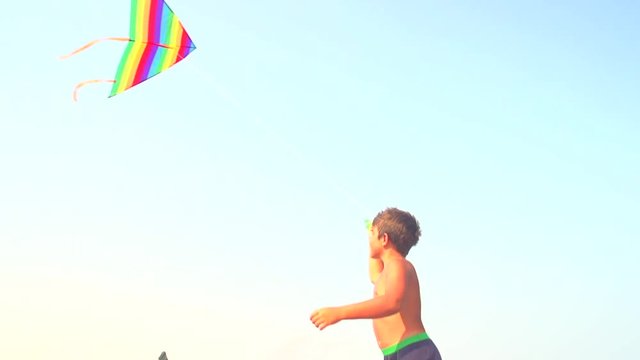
point(157, 41)
point(404, 343)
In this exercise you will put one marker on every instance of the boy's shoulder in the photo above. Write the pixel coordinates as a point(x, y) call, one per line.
point(409, 269)
point(404, 261)
point(403, 264)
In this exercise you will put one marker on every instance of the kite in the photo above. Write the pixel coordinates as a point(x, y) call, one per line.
point(157, 40)
point(368, 224)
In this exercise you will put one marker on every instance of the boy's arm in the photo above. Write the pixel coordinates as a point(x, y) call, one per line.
point(375, 268)
point(379, 306)
point(383, 305)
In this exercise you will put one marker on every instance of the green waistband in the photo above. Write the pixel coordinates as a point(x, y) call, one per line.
point(404, 343)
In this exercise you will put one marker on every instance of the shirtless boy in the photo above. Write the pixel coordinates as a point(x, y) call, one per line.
point(395, 306)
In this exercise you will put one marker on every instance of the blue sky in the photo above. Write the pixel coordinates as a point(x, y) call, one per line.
point(209, 210)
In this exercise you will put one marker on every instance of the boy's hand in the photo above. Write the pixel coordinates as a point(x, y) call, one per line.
point(324, 317)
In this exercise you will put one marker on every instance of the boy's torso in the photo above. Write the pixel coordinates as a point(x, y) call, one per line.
point(407, 322)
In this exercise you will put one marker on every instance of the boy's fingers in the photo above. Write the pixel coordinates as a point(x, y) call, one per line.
point(319, 323)
point(314, 316)
point(317, 320)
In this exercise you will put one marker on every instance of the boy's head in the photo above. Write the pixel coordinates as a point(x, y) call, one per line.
point(402, 228)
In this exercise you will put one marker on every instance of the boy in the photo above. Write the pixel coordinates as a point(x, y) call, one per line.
point(395, 306)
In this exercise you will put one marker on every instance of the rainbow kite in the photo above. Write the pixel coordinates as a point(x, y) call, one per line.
point(157, 40)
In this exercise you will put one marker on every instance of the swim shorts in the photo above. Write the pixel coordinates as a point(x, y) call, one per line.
point(417, 347)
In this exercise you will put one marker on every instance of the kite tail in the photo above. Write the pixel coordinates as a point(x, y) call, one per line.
point(91, 43)
point(75, 90)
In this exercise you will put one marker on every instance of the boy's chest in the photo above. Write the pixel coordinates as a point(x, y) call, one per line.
point(378, 287)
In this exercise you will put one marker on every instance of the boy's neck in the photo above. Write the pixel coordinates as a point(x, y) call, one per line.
point(389, 255)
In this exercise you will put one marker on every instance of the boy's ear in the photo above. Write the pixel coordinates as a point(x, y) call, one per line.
point(385, 239)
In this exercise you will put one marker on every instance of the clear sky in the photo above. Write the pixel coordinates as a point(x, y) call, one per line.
point(208, 211)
